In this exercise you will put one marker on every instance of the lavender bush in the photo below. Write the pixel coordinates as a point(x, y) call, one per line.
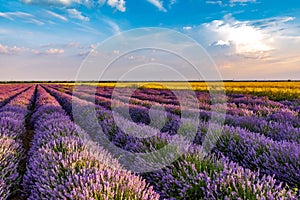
point(198, 176)
point(10, 156)
point(12, 127)
point(63, 164)
point(251, 150)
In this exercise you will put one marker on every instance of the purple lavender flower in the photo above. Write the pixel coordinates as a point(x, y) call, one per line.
point(64, 164)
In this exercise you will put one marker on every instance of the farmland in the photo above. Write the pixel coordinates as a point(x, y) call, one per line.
point(52, 141)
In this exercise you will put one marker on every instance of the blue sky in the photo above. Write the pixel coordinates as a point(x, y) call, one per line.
point(247, 39)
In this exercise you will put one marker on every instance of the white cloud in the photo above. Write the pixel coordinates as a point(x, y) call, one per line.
point(118, 4)
point(266, 48)
point(58, 16)
point(57, 2)
point(241, 1)
point(158, 4)
point(26, 17)
point(4, 49)
point(73, 13)
point(12, 15)
point(36, 22)
point(54, 51)
point(230, 3)
point(270, 22)
point(187, 28)
point(221, 43)
point(114, 26)
point(22, 51)
point(214, 2)
point(246, 37)
point(5, 15)
point(88, 29)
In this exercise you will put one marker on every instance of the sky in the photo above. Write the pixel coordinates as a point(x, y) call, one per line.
point(246, 39)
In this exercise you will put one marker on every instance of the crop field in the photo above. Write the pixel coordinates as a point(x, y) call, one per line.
point(52, 141)
point(275, 90)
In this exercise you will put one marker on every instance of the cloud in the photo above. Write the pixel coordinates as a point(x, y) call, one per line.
point(270, 22)
point(12, 15)
point(73, 13)
point(158, 4)
point(221, 43)
point(4, 49)
point(231, 3)
point(114, 26)
point(36, 22)
point(88, 29)
point(58, 16)
point(15, 50)
point(57, 2)
point(26, 17)
point(243, 35)
point(241, 2)
point(214, 2)
point(118, 4)
point(187, 28)
point(5, 15)
point(54, 51)
point(253, 49)
point(257, 39)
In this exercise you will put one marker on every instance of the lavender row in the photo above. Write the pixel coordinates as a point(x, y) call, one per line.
point(242, 105)
point(199, 176)
point(280, 129)
point(9, 92)
point(5, 90)
point(159, 95)
point(62, 156)
point(268, 112)
point(257, 152)
point(12, 128)
point(251, 150)
point(277, 149)
point(10, 155)
point(112, 130)
point(122, 134)
point(239, 105)
point(246, 99)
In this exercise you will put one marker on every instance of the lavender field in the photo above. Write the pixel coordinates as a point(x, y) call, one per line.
point(46, 152)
